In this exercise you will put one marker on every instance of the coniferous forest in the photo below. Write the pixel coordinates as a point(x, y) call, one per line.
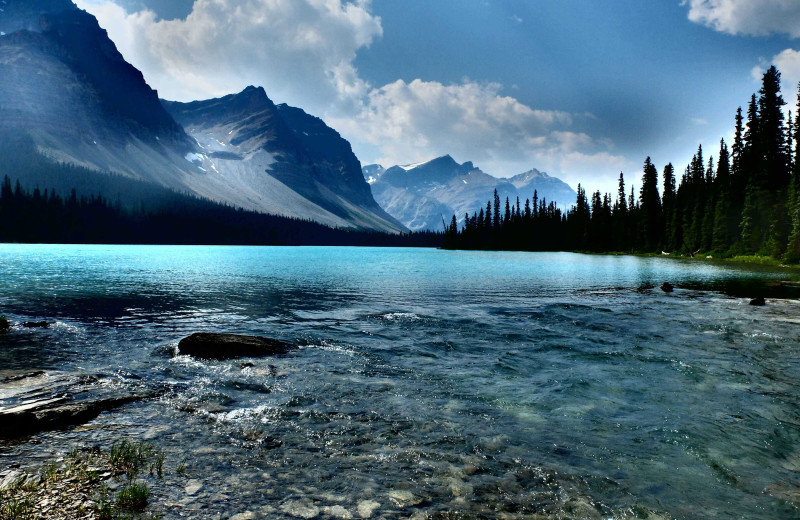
point(46, 217)
point(746, 201)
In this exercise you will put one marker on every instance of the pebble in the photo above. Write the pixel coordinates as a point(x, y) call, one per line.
point(403, 498)
point(367, 507)
point(247, 515)
point(193, 486)
point(337, 512)
point(10, 478)
point(299, 509)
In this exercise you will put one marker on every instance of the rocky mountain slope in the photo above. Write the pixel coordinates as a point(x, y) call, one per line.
point(279, 159)
point(71, 96)
point(420, 195)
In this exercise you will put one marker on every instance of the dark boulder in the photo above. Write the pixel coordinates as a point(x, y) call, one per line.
point(36, 324)
point(759, 301)
point(4, 324)
point(667, 287)
point(211, 345)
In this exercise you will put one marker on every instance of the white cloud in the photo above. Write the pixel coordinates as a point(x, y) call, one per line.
point(788, 63)
point(416, 121)
point(751, 17)
point(300, 51)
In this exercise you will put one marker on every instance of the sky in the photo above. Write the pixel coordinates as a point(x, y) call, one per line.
point(580, 89)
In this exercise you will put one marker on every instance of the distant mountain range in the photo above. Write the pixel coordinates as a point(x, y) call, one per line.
point(70, 96)
point(420, 195)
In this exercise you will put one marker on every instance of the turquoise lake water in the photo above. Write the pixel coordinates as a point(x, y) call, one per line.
point(432, 383)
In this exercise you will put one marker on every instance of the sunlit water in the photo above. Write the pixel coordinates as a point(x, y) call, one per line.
point(479, 384)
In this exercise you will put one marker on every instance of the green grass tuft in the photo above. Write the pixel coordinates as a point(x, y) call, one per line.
point(13, 509)
point(133, 497)
point(130, 458)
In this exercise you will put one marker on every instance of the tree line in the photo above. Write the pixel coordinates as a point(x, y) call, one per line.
point(46, 217)
point(745, 202)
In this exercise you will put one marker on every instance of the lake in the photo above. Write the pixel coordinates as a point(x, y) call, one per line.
point(457, 384)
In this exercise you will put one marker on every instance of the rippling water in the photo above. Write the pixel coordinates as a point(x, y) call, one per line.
point(429, 382)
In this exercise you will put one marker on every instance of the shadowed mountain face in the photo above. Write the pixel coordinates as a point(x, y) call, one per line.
point(66, 89)
point(422, 195)
point(280, 158)
point(64, 85)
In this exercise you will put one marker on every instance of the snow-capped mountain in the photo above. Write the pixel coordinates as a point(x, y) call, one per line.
point(66, 93)
point(421, 195)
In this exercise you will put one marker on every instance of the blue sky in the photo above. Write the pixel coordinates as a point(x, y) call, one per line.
point(579, 88)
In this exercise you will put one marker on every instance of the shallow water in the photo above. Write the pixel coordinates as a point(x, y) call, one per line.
point(484, 384)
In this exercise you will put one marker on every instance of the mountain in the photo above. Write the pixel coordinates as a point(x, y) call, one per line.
point(278, 159)
point(67, 94)
point(65, 86)
point(421, 195)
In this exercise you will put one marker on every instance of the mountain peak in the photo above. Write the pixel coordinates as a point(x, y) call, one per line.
point(419, 195)
point(251, 90)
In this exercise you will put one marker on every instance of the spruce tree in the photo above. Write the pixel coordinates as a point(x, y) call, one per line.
point(650, 217)
point(723, 221)
point(792, 254)
point(771, 133)
point(496, 214)
point(668, 204)
point(707, 227)
point(620, 218)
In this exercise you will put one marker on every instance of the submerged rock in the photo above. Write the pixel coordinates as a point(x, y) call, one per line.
point(211, 345)
point(667, 287)
point(35, 401)
point(759, 301)
point(367, 507)
point(36, 324)
point(4, 324)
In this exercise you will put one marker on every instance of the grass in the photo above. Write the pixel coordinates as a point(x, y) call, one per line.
point(133, 497)
point(78, 477)
point(130, 458)
point(15, 509)
point(758, 260)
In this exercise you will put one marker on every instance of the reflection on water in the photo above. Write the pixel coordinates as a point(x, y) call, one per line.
point(485, 384)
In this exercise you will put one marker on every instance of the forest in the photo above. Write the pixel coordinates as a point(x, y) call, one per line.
point(47, 217)
point(747, 202)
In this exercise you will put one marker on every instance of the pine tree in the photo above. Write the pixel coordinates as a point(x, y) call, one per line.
point(496, 215)
point(650, 216)
point(707, 226)
point(668, 204)
point(792, 254)
point(771, 133)
point(620, 218)
point(723, 223)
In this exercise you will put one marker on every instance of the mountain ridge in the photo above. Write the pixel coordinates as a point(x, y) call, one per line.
point(420, 194)
point(66, 87)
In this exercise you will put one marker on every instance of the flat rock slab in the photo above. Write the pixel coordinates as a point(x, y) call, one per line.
point(35, 401)
point(211, 345)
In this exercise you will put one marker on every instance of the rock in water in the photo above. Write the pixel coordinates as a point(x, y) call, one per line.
point(667, 287)
point(760, 301)
point(211, 345)
point(35, 401)
point(36, 324)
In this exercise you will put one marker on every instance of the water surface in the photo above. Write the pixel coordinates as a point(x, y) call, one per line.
point(482, 384)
